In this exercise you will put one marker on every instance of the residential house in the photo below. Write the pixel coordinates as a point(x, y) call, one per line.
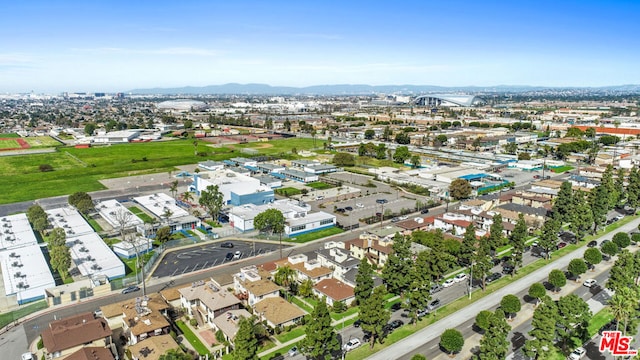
point(375, 250)
point(531, 200)
point(153, 347)
point(91, 353)
point(228, 323)
point(206, 301)
point(277, 311)
point(142, 321)
point(305, 268)
point(252, 285)
point(334, 290)
point(456, 223)
point(417, 223)
point(114, 313)
point(338, 259)
point(65, 336)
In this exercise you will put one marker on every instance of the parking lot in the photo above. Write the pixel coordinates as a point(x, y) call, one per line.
point(206, 256)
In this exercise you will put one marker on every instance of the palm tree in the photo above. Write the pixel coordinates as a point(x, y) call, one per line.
point(284, 276)
point(622, 305)
point(187, 196)
point(174, 188)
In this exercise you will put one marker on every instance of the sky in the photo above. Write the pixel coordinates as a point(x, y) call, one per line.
point(111, 46)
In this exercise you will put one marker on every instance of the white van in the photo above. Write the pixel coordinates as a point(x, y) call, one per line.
point(27, 356)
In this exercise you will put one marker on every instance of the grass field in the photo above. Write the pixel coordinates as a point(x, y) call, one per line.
point(7, 318)
point(8, 144)
point(319, 185)
point(41, 141)
point(141, 214)
point(300, 239)
point(81, 169)
point(277, 147)
point(288, 191)
point(9, 135)
point(192, 339)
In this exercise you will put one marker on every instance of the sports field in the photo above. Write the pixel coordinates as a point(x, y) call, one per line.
point(81, 169)
point(8, 144)
point(13, 142)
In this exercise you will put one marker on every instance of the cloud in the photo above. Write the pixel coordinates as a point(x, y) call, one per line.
point(171, 51)
point(15, 59)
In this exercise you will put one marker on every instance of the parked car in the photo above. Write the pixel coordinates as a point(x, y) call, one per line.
point(433, 305)
point(424, 211)
point(403, 217)
point(460, 277)
point(357, 323)
point(619, 217)
point(293, 351)
point(27, 356)
point(319, 197)
point(382, 201)
point(561, 245)
point(366, 337)
point(351, 344)
point(589, 282)
point(340, 210)
point(348, 208)
point(577, 354)
point(237, 255)
point(358, 205)
point(507, 268)
point(395, 219)
point(130, 289)
point(493, 277)
point(422, 313)
point(536, 176)
point(227, 245)
point(229, 256)
point(395, 324)
point(97, 313)
point(396, 306)
point(592, 243)
point(435, 288)
point(448, 283)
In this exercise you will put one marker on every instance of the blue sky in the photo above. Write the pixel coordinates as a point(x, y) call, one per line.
point(53, 46)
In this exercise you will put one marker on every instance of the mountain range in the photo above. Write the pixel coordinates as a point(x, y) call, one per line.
point(362, 89)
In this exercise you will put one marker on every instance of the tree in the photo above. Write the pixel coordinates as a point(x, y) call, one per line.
point(557, 279)
point(543, 331)
point(510, 304)
point(418, 357)
point(563, 204)
point(163, 234)
point(344, 159)
point(577, 267)
point(306, 288)
point(441, 140)
point(57, 237)
point(549, 238)
point(537, 291)
point(633, 188)
point(582, 216)
point(593, 256)
point(89, 128)
point(386, 134)
point(60, 260)
point(37, 217)
point(284, 276)
point(599, 205)
point(468, 246)
point(369, 134)
point(321, 340)
point(460, 189)
point(398, 266)
point(510, 148)
point(494, 343)
point(451, 341)
point(81, 201)
point(373, 315)
point(402, 138)
point(609, 184)
point(517, 240)
point(415, 161)
point(623, 304)
point(364, 281)
point(496, 238)
point(173, 188)
point(187, 196)
point(621, 239)
point(524, 156)
point(482, 262)
point(623, 273)
point(245, 344)
point(482, 320)
point(574, 316)
point(610, 248)
point(401, 154)
point(287, 124)
point(418, 296)
point(175, 354)
point(212, 200)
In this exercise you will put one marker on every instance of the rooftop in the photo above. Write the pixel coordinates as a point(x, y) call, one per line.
point(73, 331)
point(158, 203)
point(210, 295)
point(153, 347)
point(91, 353)
point(15, 231)
point(334, 289)
point(277, 310)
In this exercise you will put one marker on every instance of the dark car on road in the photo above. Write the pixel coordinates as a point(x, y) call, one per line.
point(434, 305)
point(382, 201)
point(507, 269)
point(493, 277)
point(396, 306)
point(592, 243)
point(561, 245)
point(392, 326)
point(229, 256)
point(424, 211)
point(357, 323)
point(227, 245)
point(435, 288)
point(130, 289)
point(348, 208)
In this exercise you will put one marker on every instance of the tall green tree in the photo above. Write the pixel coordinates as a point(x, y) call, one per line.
point(321, 340)
point(270, 220)
point(599, 204)
point(418, 296)
point(173, 188)
point(415, 161)
point(440, 261)
point(593, 256)
point(609, 184)
point(175, 354)
point(460, 189)
point(401, 154)
point(577, 267)
point(557, 279)
point(245, 345)
point(496, 237)
point(373, 315)
point(57, 237)
point(81, 201)
point(543, 331)
point(468, 247)
point(398, 266)
point(517, 240)
point(494, 343)
point(163, 234)
point(482, 320)
point(582, 216)
point(284, 276)
point(37, 217)
point(60, 260)
point(633, 188)
point(549, 237)
point(537, 291)
point(623, 305)
point(619, 185)
point(610, 248)
point(510, 304)
point(573, 320)
point(452, 341)
point(621, 239)
point(482, 264)
point(212, 200)
point(364, 281)
point(622, 274)
point(563, 204)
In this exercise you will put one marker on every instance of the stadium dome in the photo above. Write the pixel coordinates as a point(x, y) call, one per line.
point(435, 100)
point(181, 105)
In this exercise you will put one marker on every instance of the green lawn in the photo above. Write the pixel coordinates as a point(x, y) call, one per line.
point(599, 319)
point(9, 135)
point(283, 146)
point(319, 185)
point(94, 224)
point(350, 311)
point(310, 236)
point(192, 338)
point(286, 336)
point(288, 191)
point(24, 310)
point(141, 214)
point(300, 304)
point(9, 144)
point(561, 169)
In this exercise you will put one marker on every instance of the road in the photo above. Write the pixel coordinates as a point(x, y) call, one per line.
point(459, 318)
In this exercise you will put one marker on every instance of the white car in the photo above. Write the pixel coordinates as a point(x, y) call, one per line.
point(460, 277)
point(237, 255)
point(358, 205)
point(589, 282)
point(352, 344)
point(27, 356)
point(577, 354)
point(448, 283)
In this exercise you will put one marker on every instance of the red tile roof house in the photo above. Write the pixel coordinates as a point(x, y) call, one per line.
point(334, 290)
point(65, 336)
point(91, 353)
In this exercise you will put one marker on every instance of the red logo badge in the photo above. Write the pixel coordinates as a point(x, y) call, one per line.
point(616, 343)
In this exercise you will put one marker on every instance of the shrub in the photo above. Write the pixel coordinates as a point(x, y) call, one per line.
point(621, 239)
point(193, 322)
point(338, 307)
point(45, 168)
point(40, 343)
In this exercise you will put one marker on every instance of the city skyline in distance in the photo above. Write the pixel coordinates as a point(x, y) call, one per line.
point(120, 46)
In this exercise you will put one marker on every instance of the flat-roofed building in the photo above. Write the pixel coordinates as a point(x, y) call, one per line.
point(113, 212)
point(70, 220)
point(92, 256)
point(25, 273)
point(236, 188)
point(15, 231)
point(161, 205)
